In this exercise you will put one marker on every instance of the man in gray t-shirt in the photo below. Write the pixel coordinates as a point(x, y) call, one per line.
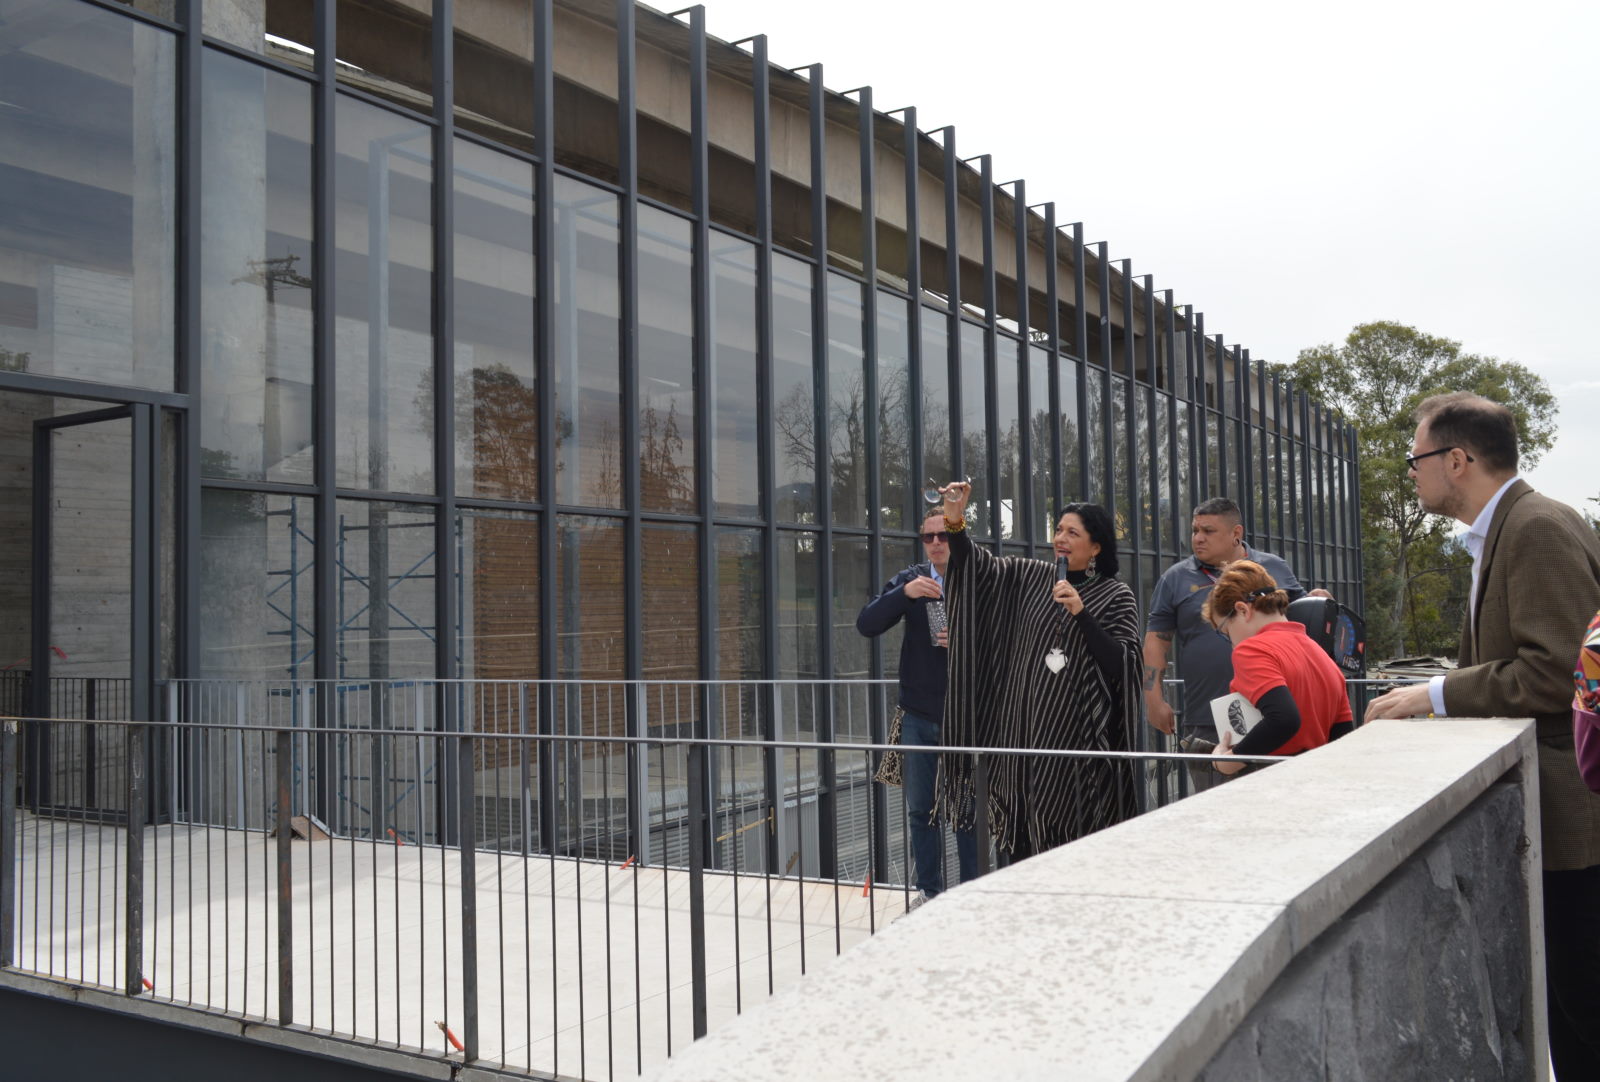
point(1205, 657)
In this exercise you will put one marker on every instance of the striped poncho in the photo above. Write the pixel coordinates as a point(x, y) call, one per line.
point(1003, 622)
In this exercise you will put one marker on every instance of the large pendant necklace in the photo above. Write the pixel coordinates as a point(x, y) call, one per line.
point(1055, 660)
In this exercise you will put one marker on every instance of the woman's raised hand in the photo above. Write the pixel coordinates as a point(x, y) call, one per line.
point(956, 494)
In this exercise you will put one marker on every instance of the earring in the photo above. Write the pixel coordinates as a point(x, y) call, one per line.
point(1092, 572)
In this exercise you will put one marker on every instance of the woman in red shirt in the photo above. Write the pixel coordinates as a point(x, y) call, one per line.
point(1290, 679)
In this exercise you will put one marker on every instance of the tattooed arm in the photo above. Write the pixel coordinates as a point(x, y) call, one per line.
point(1157, 645)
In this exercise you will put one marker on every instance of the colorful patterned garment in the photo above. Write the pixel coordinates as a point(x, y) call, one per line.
point(1586, 706)
point(1587, 675)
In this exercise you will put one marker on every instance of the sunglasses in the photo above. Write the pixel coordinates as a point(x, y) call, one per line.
point(939, 535)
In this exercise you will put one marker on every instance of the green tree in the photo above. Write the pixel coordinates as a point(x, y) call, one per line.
point(1375, 379)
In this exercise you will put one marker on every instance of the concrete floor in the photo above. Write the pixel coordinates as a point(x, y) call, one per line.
point(584, 969)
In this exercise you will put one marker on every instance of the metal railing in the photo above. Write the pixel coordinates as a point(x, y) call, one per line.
point(552, 877)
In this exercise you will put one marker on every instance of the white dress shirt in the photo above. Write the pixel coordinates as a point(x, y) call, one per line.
point(1476, 536)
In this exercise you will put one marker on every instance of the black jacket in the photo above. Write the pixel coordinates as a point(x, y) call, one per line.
point(922, 664)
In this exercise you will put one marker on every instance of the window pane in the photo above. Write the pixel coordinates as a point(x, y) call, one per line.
point(1072, 465)
point(740, 625)
point(671, 586)
point(793, 390)
point(1040, 429)
point(591, 643)
point(898, 490)
point(588, 391)
point(666, 362)
point(256, 299)
point(499, 595)
point(384, 295)
point(736, 459)
point(1008, 411)
point(797, 606)
point(1123, 506)
point(847, 393)
point(1095, 422)
point(852, 588)
point(257, 602)
point(386, 618)
point(86, 195)
point(496, 380)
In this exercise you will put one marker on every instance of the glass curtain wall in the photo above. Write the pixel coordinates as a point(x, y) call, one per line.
point(448, 399)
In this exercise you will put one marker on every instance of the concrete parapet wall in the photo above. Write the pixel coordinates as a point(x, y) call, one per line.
point(1365, 911)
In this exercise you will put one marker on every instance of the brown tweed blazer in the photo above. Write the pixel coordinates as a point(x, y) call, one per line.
point(1538, 588)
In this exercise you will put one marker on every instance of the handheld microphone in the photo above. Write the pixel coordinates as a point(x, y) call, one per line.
point(1061, 568)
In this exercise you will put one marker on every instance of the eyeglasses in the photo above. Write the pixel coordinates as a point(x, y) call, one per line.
point(1412, 460)
point(940, 535)
point(1220, 624)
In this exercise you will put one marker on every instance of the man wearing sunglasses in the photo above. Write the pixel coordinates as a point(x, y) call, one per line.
point(1535, 584)
point(913, 595)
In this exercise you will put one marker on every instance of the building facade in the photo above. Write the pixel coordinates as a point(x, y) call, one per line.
point(374, 339)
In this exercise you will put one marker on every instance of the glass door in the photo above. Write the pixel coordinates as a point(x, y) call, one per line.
point(93, 627)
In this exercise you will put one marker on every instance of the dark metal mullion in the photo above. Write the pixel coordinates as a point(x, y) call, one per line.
point(1223, 488)
point(991, 371)
point(1247, 437)
point(827, 799)
point(545, 359)
point(187, 540)
point(703, 766)
point(1130, 349)
point(1153, 420)
point(914, 357)
point(1259, 488)
point(143, 629)
point(878, 729)
point(771, 772)
point(1303, 423)
point(1200, 446)
point(325, 506)
point(60, 387)
point(1108, 427)
point(1174, 481)
point(952, 286)
point(629, 376)
point(1280, 536)
point(1023, 512)
point(1080, 338)
point(1052, 285)
point(1358, 568)
point(448, 694)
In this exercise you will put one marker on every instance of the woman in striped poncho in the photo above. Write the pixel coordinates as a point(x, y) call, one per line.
point(1041, 656)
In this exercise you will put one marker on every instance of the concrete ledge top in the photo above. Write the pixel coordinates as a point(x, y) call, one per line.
point(1133, 953)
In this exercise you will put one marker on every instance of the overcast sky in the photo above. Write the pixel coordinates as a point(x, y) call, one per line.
point(1291, 170)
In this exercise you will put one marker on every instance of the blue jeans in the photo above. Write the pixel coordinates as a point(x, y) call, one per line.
point(927, 837)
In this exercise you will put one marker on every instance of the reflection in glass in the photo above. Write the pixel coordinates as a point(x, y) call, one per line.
point(87, 174)
point(588, 403)
point(1072, 465)
point(256, 289)
point(384, 295)
point(739, 592)
point(797, 606)
point(498, 587)
point(1094, 421)
point(386, 556)
point(496, 380)
point(793, 391)
point(897, 489)
point(1040, 429)
point(1124, 493)
point(736, 458)
point(386, 50)
point(852, 588)
point(847, 403)
point(975, 430)
point(671, 596)
point(1163, 462)
point(257, 602)
point(589, 584)
point(666, 362)
point(1009, 427)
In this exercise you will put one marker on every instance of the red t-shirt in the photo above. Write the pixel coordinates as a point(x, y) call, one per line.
point(1282, 655)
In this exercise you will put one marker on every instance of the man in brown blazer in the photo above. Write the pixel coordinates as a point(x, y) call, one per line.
point(1535, 586)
